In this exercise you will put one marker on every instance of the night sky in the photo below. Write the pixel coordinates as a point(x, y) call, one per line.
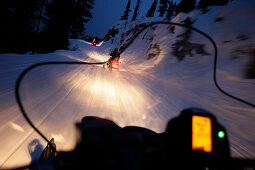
point(108, 12)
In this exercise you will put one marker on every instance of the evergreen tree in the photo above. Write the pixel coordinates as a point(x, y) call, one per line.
point(152, 9)
point(39, 15)
point(19, 20)
point(42, 25)
point(66, 20)
point(171, 9)
point(163, 7)
point(81, 14)
point(186, 6)
point(56, 34)
point(136, 11)
point(126, 13)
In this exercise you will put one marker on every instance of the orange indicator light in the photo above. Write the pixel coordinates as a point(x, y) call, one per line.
point(201, 133)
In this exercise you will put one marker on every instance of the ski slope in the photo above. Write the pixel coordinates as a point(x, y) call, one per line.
point(151, 86)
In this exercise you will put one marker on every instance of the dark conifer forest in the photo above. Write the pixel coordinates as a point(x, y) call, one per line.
point(43, 26)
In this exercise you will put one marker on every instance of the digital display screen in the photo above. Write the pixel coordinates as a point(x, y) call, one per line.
point(201, 133)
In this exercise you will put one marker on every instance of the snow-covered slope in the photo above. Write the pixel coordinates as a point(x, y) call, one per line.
point(18, 140)
point(166, 69)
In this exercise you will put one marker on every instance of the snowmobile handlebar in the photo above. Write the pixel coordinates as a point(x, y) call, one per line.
point(192, 140)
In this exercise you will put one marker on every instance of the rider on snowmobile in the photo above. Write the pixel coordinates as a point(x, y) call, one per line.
point(113, 62)
point(94, 42)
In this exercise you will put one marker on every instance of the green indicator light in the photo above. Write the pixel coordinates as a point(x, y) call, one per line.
point(221, 134)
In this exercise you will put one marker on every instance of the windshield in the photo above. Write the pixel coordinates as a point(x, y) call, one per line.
point(165, 69)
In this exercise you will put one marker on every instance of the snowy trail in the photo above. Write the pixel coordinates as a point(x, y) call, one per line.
point(14, 130)
point(136, 95)
point(149, 89)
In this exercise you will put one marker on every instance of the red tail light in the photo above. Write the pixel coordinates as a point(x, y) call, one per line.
point(115, 64)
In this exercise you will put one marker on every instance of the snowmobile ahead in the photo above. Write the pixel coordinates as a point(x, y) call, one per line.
point(94, 42)
point(113, 62)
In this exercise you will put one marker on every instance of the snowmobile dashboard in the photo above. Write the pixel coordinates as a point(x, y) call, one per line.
point(196, 135)
point(192, 140)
